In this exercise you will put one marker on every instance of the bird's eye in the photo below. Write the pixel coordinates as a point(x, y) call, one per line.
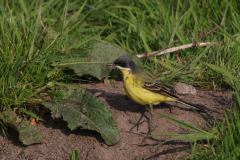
point(122, 64)
point(119, 63)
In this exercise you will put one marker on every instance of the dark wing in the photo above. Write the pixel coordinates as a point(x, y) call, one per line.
point(152, 85)
point(158, 88)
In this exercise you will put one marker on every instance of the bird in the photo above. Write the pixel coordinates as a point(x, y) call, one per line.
point(142, 88)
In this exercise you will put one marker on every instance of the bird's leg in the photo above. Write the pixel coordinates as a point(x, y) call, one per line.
point(149, 122)
point(138, 122)
point(151, 119)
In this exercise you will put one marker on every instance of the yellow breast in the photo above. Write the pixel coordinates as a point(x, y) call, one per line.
point(133, 88)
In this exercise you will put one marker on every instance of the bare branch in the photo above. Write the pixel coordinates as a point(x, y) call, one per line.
point(157, 53)
point(165, 47)
point(201, 37)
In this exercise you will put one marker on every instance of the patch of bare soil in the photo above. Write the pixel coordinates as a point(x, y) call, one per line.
point(59, 140)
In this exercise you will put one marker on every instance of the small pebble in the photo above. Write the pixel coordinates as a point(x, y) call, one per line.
point(181, 88)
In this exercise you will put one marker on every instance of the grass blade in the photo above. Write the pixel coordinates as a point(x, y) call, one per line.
point(185, 125)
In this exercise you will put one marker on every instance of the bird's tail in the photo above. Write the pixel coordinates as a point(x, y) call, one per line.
point(190, 105)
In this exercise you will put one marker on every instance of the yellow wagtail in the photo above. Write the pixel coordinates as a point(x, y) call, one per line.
point(142, 88)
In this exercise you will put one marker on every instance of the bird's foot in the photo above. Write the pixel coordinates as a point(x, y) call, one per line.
point(138, 122)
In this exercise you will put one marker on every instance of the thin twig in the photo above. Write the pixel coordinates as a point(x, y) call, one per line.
point(166, 47)
point(157, 53)
point(42, 22)
point(201, 37)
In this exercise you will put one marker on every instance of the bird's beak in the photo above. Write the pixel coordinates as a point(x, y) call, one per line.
point(111, 64)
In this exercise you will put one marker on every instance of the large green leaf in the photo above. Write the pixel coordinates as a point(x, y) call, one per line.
point(82, 109)
point(94, 61)
point(27, 133)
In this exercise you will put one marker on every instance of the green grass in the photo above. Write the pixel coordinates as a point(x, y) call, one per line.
point(137, 26)
point(226, 146)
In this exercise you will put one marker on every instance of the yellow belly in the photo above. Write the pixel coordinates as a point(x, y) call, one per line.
point(134, 90)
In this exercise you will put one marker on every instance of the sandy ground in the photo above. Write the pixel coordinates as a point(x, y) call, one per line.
point(59, 140)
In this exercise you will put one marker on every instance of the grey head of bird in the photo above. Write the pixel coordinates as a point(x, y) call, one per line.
point(125, 62)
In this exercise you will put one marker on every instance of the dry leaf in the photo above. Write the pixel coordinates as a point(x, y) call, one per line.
point(33, 121)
